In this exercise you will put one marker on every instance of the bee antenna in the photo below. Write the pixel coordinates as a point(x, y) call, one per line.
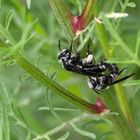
point(121, 70)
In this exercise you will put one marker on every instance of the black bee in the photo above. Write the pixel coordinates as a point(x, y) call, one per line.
point(98, 83)
point(97, 77)
point(73, 62)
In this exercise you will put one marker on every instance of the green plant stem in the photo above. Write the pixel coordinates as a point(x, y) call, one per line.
point(116, 37)
point(105, 45)
point(123, 129)
point(124, 104)
point(88, 11)
point(122, 99)
point(103, 39)
point(63, 16)
point(36, 73)
point(121, 126)
point(39, 75)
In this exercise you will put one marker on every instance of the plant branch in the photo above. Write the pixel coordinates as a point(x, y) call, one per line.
point(97, 108)
point(35, 72)
point(122, 128)
point(122, 99)
point(62, 14)
point(71, 24)
point(116, 36)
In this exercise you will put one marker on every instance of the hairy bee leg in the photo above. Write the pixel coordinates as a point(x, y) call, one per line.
point(90, 84)
point(122, 79)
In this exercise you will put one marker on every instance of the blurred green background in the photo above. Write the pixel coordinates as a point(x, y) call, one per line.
point(39, 110)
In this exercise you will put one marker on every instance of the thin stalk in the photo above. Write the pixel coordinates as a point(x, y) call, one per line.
point(118, 38)
point(97, 108)
point(62, 14)
point(123, 129)
point(36, 73)
point(63, 126)
point(124, 104)
point(103, 39)
point(88, 11)
point(119, 90)
point(39, 75)
point(122, 99)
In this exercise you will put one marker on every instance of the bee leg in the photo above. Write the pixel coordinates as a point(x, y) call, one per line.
point(70, 51)
point(59, 45)
point(96, 91)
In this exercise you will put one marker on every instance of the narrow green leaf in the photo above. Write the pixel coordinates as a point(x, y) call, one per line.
point(1, 126)
point(132, 83)
point(27, 30)
point(6, 123)
point(60, 109)
point(88, 11)
point(8, 19)
point(88, 34)
point(35, 72)
point(49, 100)
point(48, 95)
point(120, 61)
point(1, 118)
point(137, 44)
point(121, 3)
point(6, 109)
point(25, 76)
point(23, 129)
point(84, 133)
point(5, 33)
point(28, 4)
point(79, 5)
point(116, 36)
point(64, 137)
point(63, 16)
point(114, 5)
point(5, 95)
point(103, 38)
point(0, 4)
point(131, 4)
point(19, 132)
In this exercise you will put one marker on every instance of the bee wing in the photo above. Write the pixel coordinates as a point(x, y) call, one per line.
point(89, 72)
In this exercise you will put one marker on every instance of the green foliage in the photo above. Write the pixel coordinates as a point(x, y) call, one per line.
point(28, 110)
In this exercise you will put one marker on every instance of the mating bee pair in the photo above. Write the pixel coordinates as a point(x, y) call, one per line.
point(97, 79)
